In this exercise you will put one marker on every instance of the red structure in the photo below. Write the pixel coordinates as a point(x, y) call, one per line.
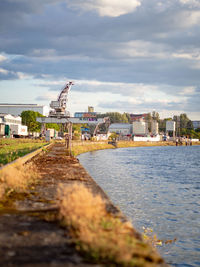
point(138, 117)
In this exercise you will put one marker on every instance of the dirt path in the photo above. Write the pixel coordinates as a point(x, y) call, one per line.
point(36, 239)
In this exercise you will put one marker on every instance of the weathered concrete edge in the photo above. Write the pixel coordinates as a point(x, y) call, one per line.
point(26, 157)
point(113, 207)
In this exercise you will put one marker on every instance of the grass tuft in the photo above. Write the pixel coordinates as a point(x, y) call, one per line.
point(16, 178)
point(100, 235)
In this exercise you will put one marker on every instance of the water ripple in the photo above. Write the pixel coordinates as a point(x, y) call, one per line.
point(155, 187)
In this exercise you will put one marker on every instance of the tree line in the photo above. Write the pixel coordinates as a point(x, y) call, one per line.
point(184, 125)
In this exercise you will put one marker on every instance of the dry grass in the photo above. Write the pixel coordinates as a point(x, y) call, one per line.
point(100, 235)
point(78, 149)
point(16, 178)
point(142, 144)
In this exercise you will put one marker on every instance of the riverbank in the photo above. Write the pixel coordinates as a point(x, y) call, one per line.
point(30, 222)
point(88, 146)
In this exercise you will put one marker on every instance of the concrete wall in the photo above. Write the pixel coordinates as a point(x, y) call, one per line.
point(148, 138)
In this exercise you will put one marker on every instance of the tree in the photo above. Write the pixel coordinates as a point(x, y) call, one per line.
point(184, 120)
point(29, 119)
point(155, 116)
point(115, 117)
point(53, 126)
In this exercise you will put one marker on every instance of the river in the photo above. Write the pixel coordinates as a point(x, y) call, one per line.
point(155, 187)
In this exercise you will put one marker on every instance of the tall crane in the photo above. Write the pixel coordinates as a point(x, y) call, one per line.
point(59, 106)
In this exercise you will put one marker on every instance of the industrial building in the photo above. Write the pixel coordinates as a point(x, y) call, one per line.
point(140, 128)
point(16, 109)
point(90, 115)
point(11, 126)
point(120, 128)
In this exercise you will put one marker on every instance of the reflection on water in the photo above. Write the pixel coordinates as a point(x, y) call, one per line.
point(157, 187)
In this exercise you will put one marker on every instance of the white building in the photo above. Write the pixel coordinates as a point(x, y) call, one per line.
point(14, 125)
point(10, 120)
point(170, 126)
point(120, 128)
point(16, 109)
point(140, 128)
point(154, 127)
point(196, 124)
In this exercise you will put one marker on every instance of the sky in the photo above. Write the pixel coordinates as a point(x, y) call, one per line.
point(133, 56)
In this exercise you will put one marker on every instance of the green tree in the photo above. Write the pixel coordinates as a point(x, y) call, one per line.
point(115, 117)
point(53, 126)
point(29, 119)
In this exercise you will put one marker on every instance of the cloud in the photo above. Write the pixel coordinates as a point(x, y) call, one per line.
point(110, 8)
point(8, 75)
point(190, 3)
point(133, 50)
point(48, 96)
point(2, 58)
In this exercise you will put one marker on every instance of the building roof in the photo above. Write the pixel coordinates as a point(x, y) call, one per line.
point(21, 105)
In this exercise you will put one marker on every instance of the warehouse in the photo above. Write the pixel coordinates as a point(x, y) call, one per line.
point(11, 126)
point(120, 128)
point(16, 109)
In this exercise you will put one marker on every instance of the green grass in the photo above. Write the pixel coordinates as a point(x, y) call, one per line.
point(11, 149)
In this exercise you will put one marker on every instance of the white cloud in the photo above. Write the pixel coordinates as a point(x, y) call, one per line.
point(2, 58)
point(3, 71)
point(190, 90)
point(188, 19)
point(191, 3)
point(141, 49)
point(111, 8)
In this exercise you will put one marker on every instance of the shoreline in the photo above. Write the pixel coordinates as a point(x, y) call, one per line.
point(33, 211)
point(88, 146)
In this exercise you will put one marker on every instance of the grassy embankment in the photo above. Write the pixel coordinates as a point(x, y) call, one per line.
point(11, 149)
point(86, 146)
point(83, 147)
point(16, 178)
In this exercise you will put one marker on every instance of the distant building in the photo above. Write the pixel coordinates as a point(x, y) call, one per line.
point(120, 128)
point(16, 109)
point(196, 124)
point(138, 117)
point(90, 109)
point(90, 115)
point(170, 126)
point(154, 127)
point(140, 128)
point(12, 126)
point(8, 119)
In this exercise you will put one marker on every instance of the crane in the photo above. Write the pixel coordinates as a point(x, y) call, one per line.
point(59, 106)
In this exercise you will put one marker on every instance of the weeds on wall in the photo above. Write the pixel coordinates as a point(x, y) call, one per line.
point(99, 234)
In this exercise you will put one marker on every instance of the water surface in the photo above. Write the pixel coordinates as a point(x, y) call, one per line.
point(156, 187)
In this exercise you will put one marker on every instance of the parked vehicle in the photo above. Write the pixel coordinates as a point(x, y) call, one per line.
point(18, 130)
